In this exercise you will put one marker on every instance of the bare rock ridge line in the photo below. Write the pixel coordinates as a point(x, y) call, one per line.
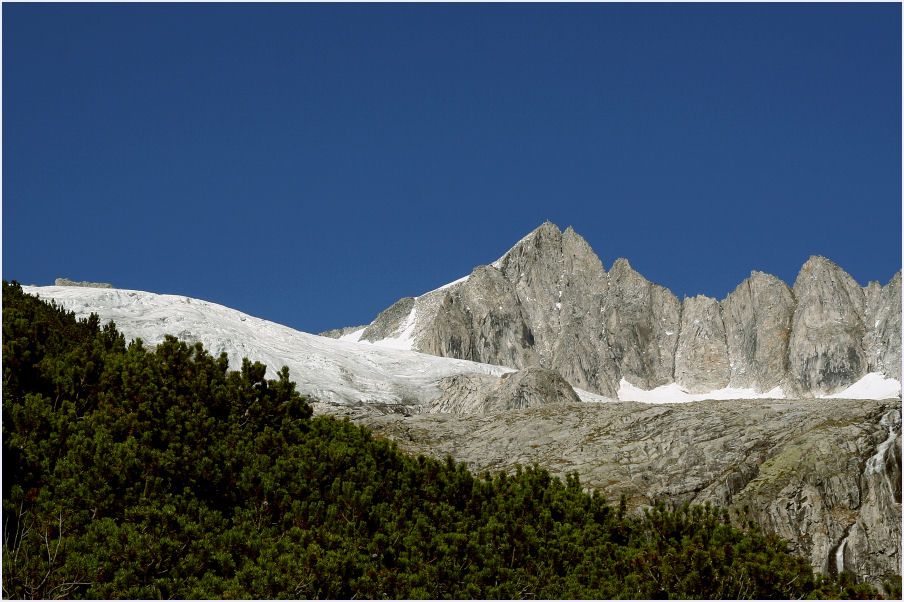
point(549, 302)
point(85, 283)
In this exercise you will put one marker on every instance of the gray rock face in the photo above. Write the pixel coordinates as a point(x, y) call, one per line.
point(883, 340)
point(873, 542)
point(340, 332)
point(825, 481)
point(701, 360)
point(642, 322)
point(539, 305)
point(470, 394)
point(549, 302)
point(483, 321)
point(825, 350)
point(67, 282)
point(390, 322)
point(757, 319)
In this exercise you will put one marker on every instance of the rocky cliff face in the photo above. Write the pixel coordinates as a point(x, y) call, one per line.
point(642, 322)
point(828, 482)
point(549, 302)
point(826, 350)
point(883, 321)
point(701, 360)
point(757, 318)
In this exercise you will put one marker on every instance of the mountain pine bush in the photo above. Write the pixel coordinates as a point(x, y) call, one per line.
point(132, 473)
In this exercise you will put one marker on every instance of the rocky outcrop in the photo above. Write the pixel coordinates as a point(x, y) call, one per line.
point(872, 542)
point(701, 359)
point(470, 394)
point(538, 305)
point(549, 302)
point(883, 339)
point(483, 321)
point(391, 322)
point(642, 321)
point(757, 319)
point(828, 482)
point(341, 332)
point(67, 282)
point(825, 350)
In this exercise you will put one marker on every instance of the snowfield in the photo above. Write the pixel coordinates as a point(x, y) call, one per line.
point(328, 370)
point(340, 371)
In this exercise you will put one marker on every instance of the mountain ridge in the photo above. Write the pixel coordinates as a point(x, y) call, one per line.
point(549, 302)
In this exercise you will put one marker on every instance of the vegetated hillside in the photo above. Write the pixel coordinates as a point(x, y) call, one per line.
point(137, 474)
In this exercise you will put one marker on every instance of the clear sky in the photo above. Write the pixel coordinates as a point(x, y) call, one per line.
point(310, 164)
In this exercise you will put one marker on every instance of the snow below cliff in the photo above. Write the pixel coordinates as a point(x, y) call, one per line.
point(341, 371)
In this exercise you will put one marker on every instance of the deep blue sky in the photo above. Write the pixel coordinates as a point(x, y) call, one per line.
point(310, 164)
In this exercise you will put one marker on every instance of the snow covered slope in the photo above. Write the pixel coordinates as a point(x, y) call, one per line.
point(337, 371)
point(329, 370)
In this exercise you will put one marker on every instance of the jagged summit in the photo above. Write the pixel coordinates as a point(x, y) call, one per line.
point(549, 302)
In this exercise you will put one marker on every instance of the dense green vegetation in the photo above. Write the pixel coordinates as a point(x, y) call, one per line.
point(131, 473)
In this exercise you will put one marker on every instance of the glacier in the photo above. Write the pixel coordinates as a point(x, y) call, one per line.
point(341, 371)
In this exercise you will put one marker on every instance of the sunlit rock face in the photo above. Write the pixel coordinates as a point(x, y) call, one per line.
point(826, 350)
point(883, 322)
point(701, 360)
point(549, 302)
point(642, 324)
point(757, 318)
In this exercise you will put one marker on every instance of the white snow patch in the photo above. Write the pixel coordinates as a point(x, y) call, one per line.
point(872, 386)
point(405, 339)
point(673, 393)
point(353, 336)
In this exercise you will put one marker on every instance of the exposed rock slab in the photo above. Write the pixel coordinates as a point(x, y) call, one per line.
point(883, 339)
point(815, 477)
point(470, 394)
point(85, 283)
point(341, 332)
point(701, 359)
point(549, 302)
point(757, 319)
point(642, 324)
point(826, 350)
point(391, 321)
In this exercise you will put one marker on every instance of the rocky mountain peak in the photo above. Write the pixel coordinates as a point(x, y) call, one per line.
point(826, 350)
point(549, 302)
